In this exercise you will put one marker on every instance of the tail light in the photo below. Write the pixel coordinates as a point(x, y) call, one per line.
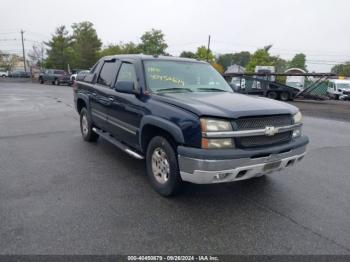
point(74, 85)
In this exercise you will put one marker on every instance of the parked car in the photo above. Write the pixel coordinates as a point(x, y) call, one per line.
point(183, 118)
point(81, 74)
point(54, 76)
point(338, 88)
point(4, 73)
point(19, 74)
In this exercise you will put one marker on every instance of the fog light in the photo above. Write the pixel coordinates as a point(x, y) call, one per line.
point(222, 176)
point(296, 132)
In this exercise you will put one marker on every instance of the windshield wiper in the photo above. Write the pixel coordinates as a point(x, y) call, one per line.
point(211, 89)
point(174, 89)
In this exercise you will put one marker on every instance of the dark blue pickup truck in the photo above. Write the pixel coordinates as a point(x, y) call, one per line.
point(182, 117)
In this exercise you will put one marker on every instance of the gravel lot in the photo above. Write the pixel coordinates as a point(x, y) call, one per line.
point(61, 195)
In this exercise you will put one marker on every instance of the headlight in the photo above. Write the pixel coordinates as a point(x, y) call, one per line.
point(214, 125)
point(297, 132)
point(298, 118)
point(216, 143)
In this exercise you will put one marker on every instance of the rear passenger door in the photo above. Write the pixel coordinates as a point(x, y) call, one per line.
point(99, 99)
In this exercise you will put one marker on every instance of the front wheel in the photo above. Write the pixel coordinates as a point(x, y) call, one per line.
point(57, 83)
point(272, 95)
point(162, 167)
point(86, 127)
point(284, 96)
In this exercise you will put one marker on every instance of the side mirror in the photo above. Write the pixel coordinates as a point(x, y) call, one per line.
point(127, 87)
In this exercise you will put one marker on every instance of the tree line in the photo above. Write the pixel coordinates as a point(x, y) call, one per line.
point(82, 48)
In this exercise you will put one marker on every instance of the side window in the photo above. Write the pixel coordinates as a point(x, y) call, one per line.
point(107, 74)
point(127, 73)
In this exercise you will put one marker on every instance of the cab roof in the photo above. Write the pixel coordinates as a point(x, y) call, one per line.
point(152, 57)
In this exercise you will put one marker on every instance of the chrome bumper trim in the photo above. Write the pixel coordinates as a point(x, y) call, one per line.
point(201, 171)
point(254, 132)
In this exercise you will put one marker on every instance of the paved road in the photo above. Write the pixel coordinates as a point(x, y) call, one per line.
point(60, 195)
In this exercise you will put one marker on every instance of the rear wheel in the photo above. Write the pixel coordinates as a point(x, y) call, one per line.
point(284, 96)
point(57, 83)
point(41, 81)
point(272, 95)
point(86, 127)
point(162, 167)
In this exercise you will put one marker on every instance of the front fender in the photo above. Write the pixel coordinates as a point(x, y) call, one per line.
point(164, 124)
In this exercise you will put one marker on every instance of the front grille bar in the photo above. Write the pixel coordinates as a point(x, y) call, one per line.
point(254, 132)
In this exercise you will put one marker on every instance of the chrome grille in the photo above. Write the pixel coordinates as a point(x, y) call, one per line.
point(261, 123)
point(256, 141)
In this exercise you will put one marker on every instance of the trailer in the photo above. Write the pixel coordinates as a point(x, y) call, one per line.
point(264, 84)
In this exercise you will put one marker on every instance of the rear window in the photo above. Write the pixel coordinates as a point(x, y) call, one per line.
point(108, 73)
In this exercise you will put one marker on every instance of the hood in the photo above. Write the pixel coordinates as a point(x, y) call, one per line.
point(224, 104)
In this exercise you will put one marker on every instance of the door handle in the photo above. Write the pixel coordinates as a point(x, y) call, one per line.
point(94, 94)
point(111, 99)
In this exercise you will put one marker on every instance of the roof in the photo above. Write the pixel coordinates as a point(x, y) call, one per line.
point(153, 57)
point(339, 81)
point(295, 69)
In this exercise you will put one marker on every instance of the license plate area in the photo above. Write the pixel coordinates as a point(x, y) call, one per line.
point(272, 165)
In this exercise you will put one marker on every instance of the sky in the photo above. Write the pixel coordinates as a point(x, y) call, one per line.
point(318, 28)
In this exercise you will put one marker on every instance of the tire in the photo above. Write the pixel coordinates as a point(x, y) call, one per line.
point(336, 97)
point(284, 96)
point(86, 127)
point(41, 81)
point(57, 83)
point(161, 157)
point(272, 95)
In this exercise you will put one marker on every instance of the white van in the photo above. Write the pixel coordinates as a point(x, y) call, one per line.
point(3, 73)
point(338, 88)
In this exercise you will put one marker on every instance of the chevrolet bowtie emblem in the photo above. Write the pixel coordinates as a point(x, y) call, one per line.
point(270, 130)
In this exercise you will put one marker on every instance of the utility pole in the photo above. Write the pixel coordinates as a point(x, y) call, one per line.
point(42, 56)
point(208, 49)
point(24, 55)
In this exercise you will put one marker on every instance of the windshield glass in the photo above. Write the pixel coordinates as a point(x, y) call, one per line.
point(344, 85)
point(178, 76)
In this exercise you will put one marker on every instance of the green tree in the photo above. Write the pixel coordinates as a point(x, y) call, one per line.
point(241, 58)
point(111, 49)
point(153, 43)
point(260, 57)
point(280, 64)
point(203, 54)
point(86, 44)
point(59, 51)
point(298, 61)
point(131, 48)
point(341, 69)
point(188, 54)
point(116, 49)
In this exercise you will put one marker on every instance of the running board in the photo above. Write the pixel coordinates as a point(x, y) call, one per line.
point(115, 142)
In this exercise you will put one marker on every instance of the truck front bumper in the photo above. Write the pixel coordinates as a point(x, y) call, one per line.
point(202, 166)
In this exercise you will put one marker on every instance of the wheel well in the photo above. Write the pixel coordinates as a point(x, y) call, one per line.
point(150, 131)
point(80, 105)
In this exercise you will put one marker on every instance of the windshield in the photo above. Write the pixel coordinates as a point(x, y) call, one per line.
point(177, 76)
point(344, 85)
